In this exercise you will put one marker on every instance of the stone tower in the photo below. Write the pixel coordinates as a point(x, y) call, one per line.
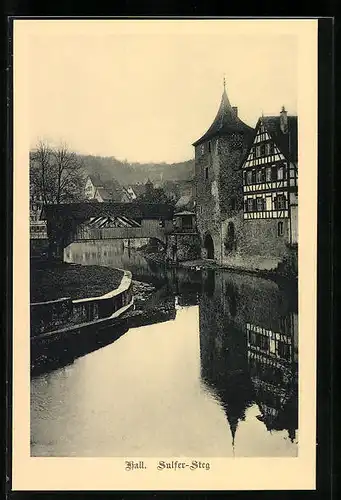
point(218, 175)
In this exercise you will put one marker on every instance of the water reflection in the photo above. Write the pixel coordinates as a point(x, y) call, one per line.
point(217, 378)
point(248, 349)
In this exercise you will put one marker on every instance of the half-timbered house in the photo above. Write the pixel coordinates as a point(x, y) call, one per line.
point(270, 174)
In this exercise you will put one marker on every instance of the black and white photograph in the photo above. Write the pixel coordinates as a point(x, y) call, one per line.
point(162, 170)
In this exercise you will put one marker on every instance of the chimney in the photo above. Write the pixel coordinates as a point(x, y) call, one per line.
point(284, 120)
point(235, 110)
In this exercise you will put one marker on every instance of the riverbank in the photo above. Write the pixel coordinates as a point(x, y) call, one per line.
point(285, 271)
point(76, 338)
point(52, 281)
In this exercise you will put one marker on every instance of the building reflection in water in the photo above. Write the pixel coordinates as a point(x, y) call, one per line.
point(248, 333)
point(248, 349)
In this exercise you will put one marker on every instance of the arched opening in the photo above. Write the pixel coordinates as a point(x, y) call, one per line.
point(209, 246)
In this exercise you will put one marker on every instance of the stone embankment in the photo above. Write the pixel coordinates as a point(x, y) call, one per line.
point(65, 324)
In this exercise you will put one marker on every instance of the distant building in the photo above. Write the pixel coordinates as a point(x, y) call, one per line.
point(185, 202)
point(91, 184)
point(38, 229)
point(104, 190)
point(181, 192)
point(134, 191)
point(102, 194)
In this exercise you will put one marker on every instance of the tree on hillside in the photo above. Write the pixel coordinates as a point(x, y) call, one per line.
point(56, 174)
point(154, 195)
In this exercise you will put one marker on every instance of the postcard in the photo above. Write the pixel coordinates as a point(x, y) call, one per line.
point(164, 243)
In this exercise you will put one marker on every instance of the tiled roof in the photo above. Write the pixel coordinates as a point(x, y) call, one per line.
point(286, 142)
point(225, 122)
point(138, 189)
point(83, 211)
point(110, 191)
point(104, 194)
point(96, 180)
point(184, 201)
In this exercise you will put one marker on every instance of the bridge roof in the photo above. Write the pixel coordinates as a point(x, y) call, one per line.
point(86, 210)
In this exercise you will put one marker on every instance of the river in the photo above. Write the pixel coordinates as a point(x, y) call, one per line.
point(217, 378)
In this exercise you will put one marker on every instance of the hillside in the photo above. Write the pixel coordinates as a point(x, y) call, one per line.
point(129, 173)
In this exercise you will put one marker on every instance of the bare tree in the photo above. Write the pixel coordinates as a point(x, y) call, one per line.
point(56, 174)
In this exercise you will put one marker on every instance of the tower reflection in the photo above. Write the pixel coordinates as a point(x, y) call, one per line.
point(248, 349)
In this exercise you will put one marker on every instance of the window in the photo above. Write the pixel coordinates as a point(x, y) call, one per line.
point(259, 176)
point(262, 149)
point(263, 343)
point(274, 173)
point(280, 229)
point(206, 173)
point(202, 149)
point(233, 203)
point(260, 204)
point(268, 174)
point(280, 174)
point(257, 151)
point(253, 176)
point(280, 202)
point(250, 205)
point(270, 148)
point(283, 350)
point(209, 146)
point(249, 177)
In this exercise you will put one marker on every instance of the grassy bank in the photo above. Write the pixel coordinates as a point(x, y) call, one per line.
point(51, 281)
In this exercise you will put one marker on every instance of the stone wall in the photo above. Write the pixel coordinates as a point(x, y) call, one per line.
point(50, 315)
point(220, 195)
point(256, 243)
point(207, 192)
point(62, 313)
point(231, 151)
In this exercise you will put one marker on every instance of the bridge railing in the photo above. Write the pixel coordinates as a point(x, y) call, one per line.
point(85, 233)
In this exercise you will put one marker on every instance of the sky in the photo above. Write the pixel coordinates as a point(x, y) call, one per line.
point(147, 94)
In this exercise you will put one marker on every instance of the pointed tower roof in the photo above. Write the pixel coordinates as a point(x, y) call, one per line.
point(233, 423)
point(225, 122)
